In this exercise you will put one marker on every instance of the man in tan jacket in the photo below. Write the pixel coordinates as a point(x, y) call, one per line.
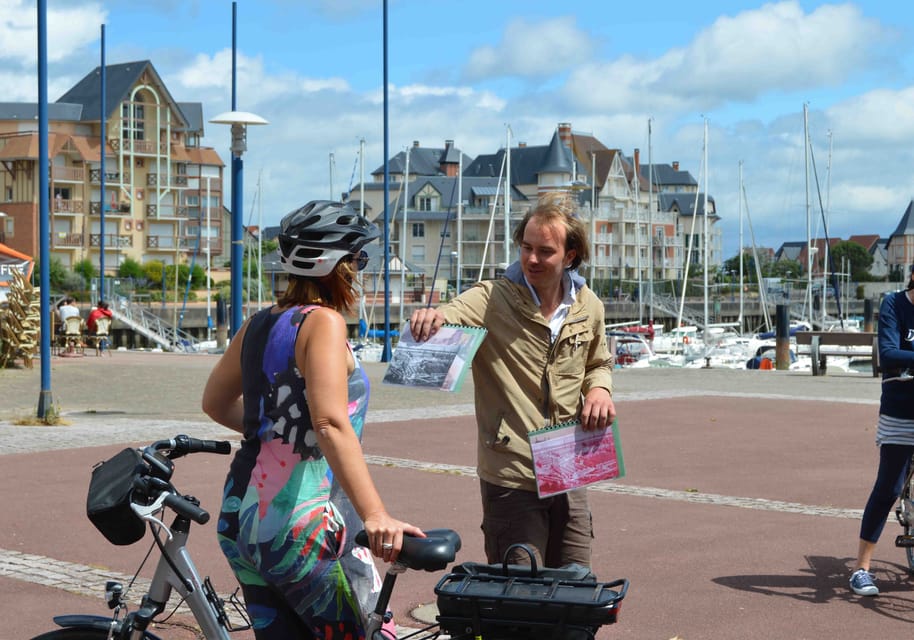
point(544, 361)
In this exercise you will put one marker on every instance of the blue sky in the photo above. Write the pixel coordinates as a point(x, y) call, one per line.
point(464, 70)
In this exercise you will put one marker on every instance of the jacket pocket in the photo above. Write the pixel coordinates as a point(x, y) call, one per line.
point(571, 352)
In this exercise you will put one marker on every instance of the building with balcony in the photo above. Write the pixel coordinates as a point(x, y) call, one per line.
point(636, 229)
point(163, 192)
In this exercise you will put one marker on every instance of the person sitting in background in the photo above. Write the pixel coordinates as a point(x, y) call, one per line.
point(67, 308)
point(101, 310)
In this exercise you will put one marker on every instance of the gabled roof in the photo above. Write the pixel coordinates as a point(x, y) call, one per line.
point(526, 163)
point(424, 161)
point(865, 241)
point(29, 111)
point(686, 203)
point(664, 175)
point(119, 80)
point(447, 189)
point(790, 251)
point(193, 113)
point(906, 224)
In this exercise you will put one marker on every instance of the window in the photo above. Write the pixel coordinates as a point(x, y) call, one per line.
point(137, 132)
point(426, 203)
point(181, 168)
point(9, 194)
point(9, 226)
point(418, 229)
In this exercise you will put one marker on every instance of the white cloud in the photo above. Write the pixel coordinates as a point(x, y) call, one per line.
point(68, 29)
point(777, 47)
point(881, 116)
point(531, 50)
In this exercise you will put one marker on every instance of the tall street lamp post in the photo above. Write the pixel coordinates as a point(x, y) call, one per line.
point(239, 121)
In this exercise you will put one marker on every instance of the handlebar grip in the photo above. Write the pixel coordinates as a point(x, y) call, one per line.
point(187, 509)
point(184, 445)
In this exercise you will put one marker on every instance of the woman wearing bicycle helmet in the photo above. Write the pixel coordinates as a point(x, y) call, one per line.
point(894, 430)
point(298, 490)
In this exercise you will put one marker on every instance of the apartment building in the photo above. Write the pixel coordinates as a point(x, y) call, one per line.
point(635, 227)
point(163, 191)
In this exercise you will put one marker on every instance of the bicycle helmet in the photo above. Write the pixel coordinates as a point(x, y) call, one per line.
point(314, 238)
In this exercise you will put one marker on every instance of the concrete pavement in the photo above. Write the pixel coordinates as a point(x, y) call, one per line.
point(737, 517)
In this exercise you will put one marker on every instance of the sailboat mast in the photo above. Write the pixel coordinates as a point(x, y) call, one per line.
point(739, 253)
point(637, 174)
point(824, 295)
point(807, 299)
point(650, 225)
point(593, 216)
point(705, 226)
point(457, 287)
point(507, 252)
point(403, 235)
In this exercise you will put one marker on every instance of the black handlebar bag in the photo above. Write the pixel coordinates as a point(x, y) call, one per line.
point(108, 501)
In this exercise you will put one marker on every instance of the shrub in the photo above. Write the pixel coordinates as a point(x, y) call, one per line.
point(87, 270)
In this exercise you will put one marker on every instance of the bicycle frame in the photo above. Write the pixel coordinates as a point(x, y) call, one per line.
point(175, 571)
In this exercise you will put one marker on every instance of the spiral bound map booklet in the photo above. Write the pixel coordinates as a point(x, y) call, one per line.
point(567, 457)
point(441, 362)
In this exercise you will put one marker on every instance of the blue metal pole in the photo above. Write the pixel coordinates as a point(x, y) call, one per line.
point(237, 247)
point(45, 400)
point(385, 353)
point(103, 117)
point(237, 168)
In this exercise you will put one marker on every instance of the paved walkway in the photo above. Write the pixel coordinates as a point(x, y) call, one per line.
point(737, 517)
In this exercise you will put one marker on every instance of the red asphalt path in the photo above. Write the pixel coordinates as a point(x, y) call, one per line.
point(741, 561)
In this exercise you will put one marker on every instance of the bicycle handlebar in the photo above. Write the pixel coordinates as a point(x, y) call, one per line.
point(181, 445)
point(187, 509)
point(155, 484)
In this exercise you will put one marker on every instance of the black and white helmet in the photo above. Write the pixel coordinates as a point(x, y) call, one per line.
point(314, 238)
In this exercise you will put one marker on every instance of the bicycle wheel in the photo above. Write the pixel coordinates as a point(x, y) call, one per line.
point(73, 634)
point(76, 633)
point(906, 504)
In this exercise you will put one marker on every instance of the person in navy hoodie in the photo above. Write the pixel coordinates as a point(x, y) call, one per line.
point(895, 428)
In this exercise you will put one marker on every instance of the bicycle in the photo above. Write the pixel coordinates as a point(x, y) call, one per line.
point(497, 602)
point(127, 493)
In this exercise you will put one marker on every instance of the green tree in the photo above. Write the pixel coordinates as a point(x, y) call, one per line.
point(57, 273)
point(86, 269)
point(783, 269)
point(856, 256)
point(153, 270)
point(130, 268)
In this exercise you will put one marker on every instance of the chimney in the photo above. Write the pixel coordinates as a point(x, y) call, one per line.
point(675, 165)
point(448, 144)
point(565, 133)
point(415, 144)
point(521, 145)
point(637, 164)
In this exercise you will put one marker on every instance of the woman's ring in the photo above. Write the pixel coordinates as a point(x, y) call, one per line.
point(387, 545)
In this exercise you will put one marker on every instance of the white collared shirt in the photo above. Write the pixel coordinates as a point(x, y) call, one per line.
point(561, 312)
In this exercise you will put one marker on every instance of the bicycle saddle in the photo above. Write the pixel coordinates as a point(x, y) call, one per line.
point(431, 553)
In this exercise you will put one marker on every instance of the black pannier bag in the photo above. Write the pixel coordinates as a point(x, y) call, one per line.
point(108, 502)
point(520, 600)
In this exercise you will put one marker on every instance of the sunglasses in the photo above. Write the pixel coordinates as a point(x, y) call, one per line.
point(360, 260)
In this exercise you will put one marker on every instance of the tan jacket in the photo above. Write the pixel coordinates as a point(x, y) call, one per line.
point(523, 381)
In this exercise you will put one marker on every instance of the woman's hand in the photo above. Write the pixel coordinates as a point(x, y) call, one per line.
point(385, 534)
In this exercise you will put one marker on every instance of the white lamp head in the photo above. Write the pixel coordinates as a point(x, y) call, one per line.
point(239, 120)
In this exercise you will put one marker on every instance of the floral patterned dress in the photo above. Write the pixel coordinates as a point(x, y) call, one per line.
point(286, 526)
